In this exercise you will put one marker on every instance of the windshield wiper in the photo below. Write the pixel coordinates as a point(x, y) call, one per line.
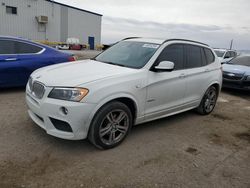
point(111, 63)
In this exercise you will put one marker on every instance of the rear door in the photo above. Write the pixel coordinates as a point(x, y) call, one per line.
point(9, 64)
point(198, 73)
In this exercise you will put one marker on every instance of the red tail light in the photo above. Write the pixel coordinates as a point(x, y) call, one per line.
point(71, 58)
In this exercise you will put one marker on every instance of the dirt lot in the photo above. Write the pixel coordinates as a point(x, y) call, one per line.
point(186, 150)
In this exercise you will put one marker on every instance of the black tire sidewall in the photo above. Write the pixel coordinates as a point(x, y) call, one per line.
point(98, 118)
point(204, 100)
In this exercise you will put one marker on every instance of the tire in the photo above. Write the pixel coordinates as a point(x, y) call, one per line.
point(208, 101)
point(111, 125)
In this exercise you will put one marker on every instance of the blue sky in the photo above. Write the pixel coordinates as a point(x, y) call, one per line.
point(213, 22)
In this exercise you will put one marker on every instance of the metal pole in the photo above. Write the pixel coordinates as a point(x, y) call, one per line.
point(231, 44)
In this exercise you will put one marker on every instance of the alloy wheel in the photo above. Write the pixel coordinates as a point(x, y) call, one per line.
point(114, 127)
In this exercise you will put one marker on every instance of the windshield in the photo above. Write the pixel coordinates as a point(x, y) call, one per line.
point(219, 53)
point(241, 60)
point(128, 54)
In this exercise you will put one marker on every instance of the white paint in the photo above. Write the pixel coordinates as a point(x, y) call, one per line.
point(155, 94)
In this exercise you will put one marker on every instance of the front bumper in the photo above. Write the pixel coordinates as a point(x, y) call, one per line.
point(78, 117)
point(236, 84)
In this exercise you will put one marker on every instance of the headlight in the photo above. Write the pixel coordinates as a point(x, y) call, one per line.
point(248, 78)
point(69, 94)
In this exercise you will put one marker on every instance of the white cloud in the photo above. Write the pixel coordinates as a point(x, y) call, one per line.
point(214, 22)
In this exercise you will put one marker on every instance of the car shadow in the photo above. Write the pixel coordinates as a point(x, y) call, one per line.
point(239, 93)
point(76, 146)
point(12, 90)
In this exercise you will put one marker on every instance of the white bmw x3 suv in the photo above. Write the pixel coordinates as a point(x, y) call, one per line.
point(134, 81)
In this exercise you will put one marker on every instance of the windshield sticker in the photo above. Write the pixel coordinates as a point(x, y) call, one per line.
point(150, 46)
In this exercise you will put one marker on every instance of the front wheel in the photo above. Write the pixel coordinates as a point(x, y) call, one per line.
point(110, 125)
point(208, 101)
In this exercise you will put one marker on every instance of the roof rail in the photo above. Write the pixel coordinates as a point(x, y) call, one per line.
point(185, 40)
point(130, 38)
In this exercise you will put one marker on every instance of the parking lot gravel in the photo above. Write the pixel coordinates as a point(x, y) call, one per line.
point(185, 150)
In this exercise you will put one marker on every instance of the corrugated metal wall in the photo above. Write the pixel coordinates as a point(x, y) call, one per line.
point(63, 22)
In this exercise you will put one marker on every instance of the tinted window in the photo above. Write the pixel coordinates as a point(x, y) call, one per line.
point(14, 47)
point(209, 56)
point(7, 47)
point(203, 57)
point(194, 58)
point(24, 48)
point(173, 53)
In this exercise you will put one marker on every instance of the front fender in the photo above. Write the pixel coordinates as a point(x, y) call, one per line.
point(106, 100)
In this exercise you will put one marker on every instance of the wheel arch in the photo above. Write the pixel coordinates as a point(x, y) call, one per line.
point(126, 99)
point(217, 85)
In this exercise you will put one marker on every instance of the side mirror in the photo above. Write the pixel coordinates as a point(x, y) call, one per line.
point(165, 66)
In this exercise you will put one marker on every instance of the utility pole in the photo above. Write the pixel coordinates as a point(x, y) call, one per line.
point(231, 44)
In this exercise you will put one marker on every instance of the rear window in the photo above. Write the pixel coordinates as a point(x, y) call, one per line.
point(16, 47)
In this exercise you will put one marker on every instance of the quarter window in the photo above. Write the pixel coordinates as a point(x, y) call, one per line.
point(209, 55)
point(15, 47)
point(11, 10)
point(203, 57)
point(24, 48)
point(173, 53)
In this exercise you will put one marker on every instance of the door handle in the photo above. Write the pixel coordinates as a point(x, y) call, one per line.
point(11, 59)
point(182, 75)
point(207, 70)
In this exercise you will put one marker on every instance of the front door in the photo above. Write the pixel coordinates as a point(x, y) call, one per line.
point(166, 90)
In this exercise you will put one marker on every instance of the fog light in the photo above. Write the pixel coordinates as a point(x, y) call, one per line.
point(64, 110)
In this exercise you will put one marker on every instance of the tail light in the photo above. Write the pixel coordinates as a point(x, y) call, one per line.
point(71, 58)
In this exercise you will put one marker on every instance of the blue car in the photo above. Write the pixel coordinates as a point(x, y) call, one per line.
point(20, 57)
point(236, 73)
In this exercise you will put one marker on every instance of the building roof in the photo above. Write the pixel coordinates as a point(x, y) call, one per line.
point(52, 1)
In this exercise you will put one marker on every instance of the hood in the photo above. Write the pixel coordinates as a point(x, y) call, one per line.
point(237, 69)
point(74, 74)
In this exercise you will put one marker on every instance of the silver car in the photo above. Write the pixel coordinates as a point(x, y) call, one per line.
point(236, 73)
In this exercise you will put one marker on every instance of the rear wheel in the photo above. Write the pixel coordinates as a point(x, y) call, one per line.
point(110, 125)
point(208, 101)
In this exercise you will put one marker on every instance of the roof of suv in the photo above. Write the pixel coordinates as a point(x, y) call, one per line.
point(160, 41)
point(223, 50)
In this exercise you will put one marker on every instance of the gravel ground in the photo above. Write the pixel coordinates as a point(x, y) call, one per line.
point(185, 150)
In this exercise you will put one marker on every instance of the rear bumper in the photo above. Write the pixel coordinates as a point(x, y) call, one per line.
point(78, 117)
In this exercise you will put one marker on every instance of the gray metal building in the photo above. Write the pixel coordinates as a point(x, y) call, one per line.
point(49, 20)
